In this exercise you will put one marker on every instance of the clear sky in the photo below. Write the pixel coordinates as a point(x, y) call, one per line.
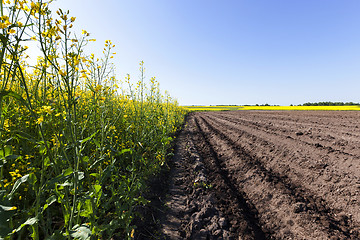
point(207, 52)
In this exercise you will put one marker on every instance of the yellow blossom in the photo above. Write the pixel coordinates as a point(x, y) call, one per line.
point(98, 88)
point(40, 120)
point(6, 123)
point(47, 109)
point(62, 73)
point(4, 18)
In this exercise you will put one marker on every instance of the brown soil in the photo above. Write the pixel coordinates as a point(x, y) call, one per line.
point(265, 175)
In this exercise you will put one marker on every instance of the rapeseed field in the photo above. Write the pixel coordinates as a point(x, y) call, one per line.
point(76, 144)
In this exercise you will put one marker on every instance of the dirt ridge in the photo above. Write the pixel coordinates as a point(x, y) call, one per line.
point(192, 210)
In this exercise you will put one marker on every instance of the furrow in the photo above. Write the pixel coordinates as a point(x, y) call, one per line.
point(287, 191)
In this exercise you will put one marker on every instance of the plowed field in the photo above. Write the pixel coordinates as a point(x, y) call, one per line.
point(278, 175)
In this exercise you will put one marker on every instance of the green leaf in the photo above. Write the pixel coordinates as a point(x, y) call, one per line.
point(97, 189)
point(65, 184)
point(66, 174)
point(4, 94)
point(47, 162)
point(82, 232)
point(96, 175)
point(32, 180)
point(30, 222)
point(87, 210)
point(85, 159)
point(17, 185)
point(6, 209)
point(42, 148)
point(5, 152)
point(88, 138)
point(97, 192)
point(128, 150)
point(49, 201)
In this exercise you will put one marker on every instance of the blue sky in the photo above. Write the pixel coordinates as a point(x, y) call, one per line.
point(207, 52)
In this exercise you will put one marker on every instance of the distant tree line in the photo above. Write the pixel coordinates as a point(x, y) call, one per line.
point(329, 104)
point(266, 104)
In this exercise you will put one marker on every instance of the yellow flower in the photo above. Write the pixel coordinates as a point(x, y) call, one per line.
point(5, 24)
point(13, 208)
point(47, 109)
point(12, 31)
point(98, 88)
point(4, 18)
point(62, 73)
point(73, 19)
point(6, 123)
point(40, 120)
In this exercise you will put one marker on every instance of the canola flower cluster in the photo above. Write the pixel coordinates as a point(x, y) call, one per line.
point(76, 144)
